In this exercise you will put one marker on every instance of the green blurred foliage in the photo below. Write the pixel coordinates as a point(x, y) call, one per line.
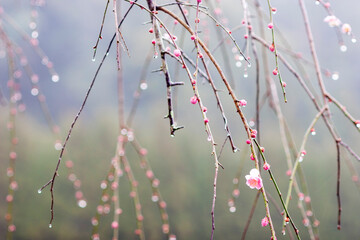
point(185, 169)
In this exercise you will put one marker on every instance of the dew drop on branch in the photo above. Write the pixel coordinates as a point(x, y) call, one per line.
point(55, 78)
point(232, 209)
point(50, 225)
point(343, 48)
point(82, 203)
point(34, 91)
point(335, 76)
point(58, 146)
point(143, 86)
point(154, 198)
point(39, 191)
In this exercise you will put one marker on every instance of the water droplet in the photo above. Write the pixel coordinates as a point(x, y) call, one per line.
point(335, 76)
point(39, 191)
point(241, 58)
point(232, 209)
point(34, 34)
point(246, 75)
point(353, 40)
point(249, 65)
point(301, 158)
point(50, 225)
point(238, 64)
point(317, 3)
point(103, 185)
point(55, 78)
point(107, 53)
point(34, 91)
point(235, 150)
point(124, 131)
point(93, 59)
point(283, 232)
point(343, 48)
point(82, 203)
point(58, 146)
point(143, 86)
point(358, 125)
point(251, 123)
point(154, 198)
point(313, 133)
point(209, 138)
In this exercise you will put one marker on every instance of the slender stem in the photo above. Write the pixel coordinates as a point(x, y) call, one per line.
point(338, 186)
point(287, 214)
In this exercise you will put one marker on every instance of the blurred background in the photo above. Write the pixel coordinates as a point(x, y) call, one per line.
point(67, 32)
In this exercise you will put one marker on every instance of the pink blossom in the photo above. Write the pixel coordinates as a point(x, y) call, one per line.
point(264, 222)
point(253, 180)
point(275, 72)
point(252, 157)
point(270, 25)
point(346, 28)
point(11, 228)
point(114, 224)
point(266, 166)
point(272, 47)
point(332, 21)
point(248, 141)
point(193, 99)
point(177, 52)
point(242, 103)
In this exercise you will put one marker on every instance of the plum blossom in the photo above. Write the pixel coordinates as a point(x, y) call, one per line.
point(253, 180)
point(242, 103)
point(346, 28)
point(264, 222)
point(332, 21)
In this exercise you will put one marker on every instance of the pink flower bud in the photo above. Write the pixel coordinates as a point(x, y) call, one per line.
point(193, 99)
point(242, 103)
point(264, 222)
point(266, 166)
point(177, 52)
point(272, 47)
point(114, 225)
point(275, 72)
